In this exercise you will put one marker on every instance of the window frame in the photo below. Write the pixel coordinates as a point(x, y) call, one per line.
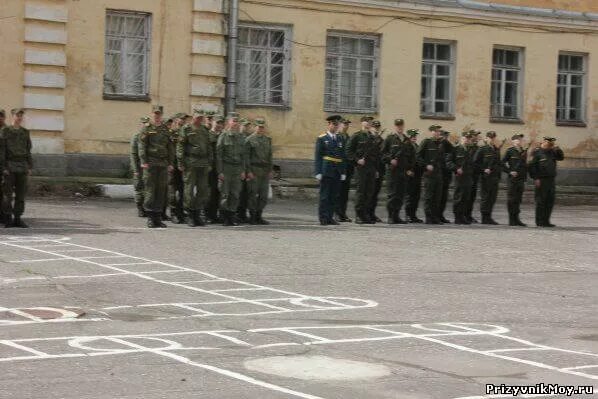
point(452, 65)
point(147, 61)
point(582, 122)
point(520, 85)
point(375, 72)
point(286, 65)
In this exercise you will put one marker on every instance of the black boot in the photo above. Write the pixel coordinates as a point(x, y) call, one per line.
point(159, 220)
point(242, 216)
point(253, 218)
point(444, 220)
point(263, 222)
point(360, 218)
point(9, 222)
point(200, 219)
point(518, 222)
point(191, 218)
point(487, 219)
point(391, 218)
point(151, 220)
point(140, 211)
point(177, 216)
point(227, 218)
point(19, 223)
point(164, 216)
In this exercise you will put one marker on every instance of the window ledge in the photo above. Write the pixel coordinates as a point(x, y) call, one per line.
point(507, 120)
point(438, 117)
point(571, 124)
point(352, 111)
point(283, 107)
point(124, 97)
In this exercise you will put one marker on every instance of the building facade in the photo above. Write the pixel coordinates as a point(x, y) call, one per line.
point(86, 70)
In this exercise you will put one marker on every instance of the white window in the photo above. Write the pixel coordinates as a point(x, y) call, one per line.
point(506, 83)
point(571, 83)
point(437, 79)
point(351, 72)
point(263, 65)
point(127, 54)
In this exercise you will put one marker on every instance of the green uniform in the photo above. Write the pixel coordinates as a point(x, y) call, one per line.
point(366, 145)
point(515, 160)
point(244, 195)
point(343, 196)
point(381, 169)
point(15, 155)
point(136, 170)
point(230, 160)
point(461, 158)
point(258, 149)
point(473, 148)
point(155, 150)
point(397, 147)
point(447, 176)
point(214, 197)
point(488, 157)
point(175, 183)
point(430, 153)
point(543, 167)
point(413, 191)
point(195, 154)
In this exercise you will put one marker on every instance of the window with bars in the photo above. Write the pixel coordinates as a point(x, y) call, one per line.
point(506, 83)
point(263, 65)
point(437, 79)
point(127, 54)
point(571, 83)
point(351, 73)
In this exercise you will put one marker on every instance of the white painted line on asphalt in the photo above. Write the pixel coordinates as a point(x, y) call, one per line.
point(516, 350)
point(23, 348)
point(241, 289)
point(589, 366)
point(35, 260)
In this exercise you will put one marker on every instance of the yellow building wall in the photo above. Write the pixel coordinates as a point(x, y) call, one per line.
point(102, 126)
point(295, 130)
point(572, 5)
point(12, 32)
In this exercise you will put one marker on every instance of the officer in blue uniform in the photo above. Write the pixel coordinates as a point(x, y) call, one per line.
point(330, 168)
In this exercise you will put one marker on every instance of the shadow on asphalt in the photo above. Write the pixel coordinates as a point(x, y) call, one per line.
point(62, 226)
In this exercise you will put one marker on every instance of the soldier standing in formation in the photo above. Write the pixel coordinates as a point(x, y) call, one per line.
point(543, 169)
point(17, 163)
point(414, 183)
point(380, 171)
point(195, 156)
point(398, 154)
point(176, 185)
point(431, 159)
point(156, 155)
point(343, 199)
point(258, 149)
point(460, 163)
point(473, 148)
point(515, 166)
point(447, 176)
point(231, 165)
point(216, 126)
point(487, 160)
point(136, 168)
point(330, 170)
point(245, 129)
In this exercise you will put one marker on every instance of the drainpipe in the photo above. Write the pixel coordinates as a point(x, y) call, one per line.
point(231, 72)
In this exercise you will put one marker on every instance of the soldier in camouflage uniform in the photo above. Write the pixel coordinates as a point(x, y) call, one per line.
point(175, 179)
point(473, 148)
point(363, 152)
point(431, 159)
point(156, 155)
point(231, 166)
point(214, 199)
point(2, 125)
point(487, 160)
point(195, 155)
point(447, 175)
point(399, 156)
point(460, 162)
point(543, 169)
point(343, 197)
point(17, 162)
point(414, 183)
point(245, 129)
point(380, 171)
point(136, 169)
point(515, 166)
point(258, 149)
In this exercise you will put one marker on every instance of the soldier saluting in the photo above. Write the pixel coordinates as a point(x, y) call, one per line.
point(156, 154)
point(329, 169)
point(15, 156)
point(543, 169)
point(515, 166)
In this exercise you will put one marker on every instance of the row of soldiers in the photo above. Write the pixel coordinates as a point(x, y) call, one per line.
point(16, 162)
point(205, 168)
point(368, 157)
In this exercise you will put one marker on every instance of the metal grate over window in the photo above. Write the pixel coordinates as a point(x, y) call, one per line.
point(263, 65)
point(127, 53)
point(351, 73)
point(437, 79)
point(506, 82)
point(571, 83)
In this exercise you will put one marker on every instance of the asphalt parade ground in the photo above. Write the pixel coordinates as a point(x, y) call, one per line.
point(94, 305)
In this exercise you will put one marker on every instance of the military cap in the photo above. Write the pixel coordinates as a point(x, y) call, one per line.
point(199, 112)
point(259, 122)
point(219, 118)
point(399, 122)
point(517, 136)
point(244, 121)
point(210, 114)
point(144, 119)
point(157, 108)
point(376, 124)
point(548, 138)
point(491, 134)
point(170, 119)
point(412, 132)
point(181, 115)
point(15, 111)
point(2, 112)
point(346, 121)
point(445, 133)
point(434, 128)
point(468, 133)
point(334, 118)
point(367, 118)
